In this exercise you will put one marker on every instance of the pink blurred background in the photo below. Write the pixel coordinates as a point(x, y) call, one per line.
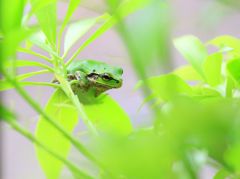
point(202, 18)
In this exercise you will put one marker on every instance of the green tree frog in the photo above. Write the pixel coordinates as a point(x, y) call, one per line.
point(93, 77)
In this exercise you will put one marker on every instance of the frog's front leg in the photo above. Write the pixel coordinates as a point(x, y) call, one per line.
point(77, 81)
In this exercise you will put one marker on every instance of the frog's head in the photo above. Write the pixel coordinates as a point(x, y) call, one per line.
point(101, 75)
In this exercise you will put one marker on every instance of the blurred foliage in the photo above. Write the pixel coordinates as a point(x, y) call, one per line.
point(231, 3)
point(148, 47)
point(195, 107)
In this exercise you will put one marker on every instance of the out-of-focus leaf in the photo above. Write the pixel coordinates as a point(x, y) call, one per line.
point(65, 114)
point(230, 85)
point(154, 54)
point(125, 157)
point(187, 72)
point(37, 5)
point(233, 68)
point(212, 69)
point(221, 174)
point(193, 51)
point(147, 99)
point(167, 86)
point(11, 41)
point(11, 15)
point(227, 42)
point(47, 19)
point(73, 4)
point(76, 31)
point(232, 157)
point(6, 114)
point(232, 3)
point(11, 31)
point(129, 6)
point(108, 116)
point(39, 39)
point(206, 95)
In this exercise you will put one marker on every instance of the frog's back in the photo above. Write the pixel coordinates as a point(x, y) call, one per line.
point(78, 65)
point(86, 66)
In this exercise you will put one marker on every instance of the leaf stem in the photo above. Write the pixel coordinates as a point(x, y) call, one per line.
point(23, 50)
point(7, 86)
point(30, 74)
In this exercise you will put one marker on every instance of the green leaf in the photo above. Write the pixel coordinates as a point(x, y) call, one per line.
point(230, 85)
point(47, 19)
point(205, 94)
point(39, 39)
point(222, 174)
point(193, 51)
point(130, 6)
point(167, 86)
point(155, 48)
point(212, 69)
point(11, 15)
point(61, 109)
point(187, 72)
point(108, 116)
point(232, 157)
point(226, 41)
point(6, 114)
point(76, 31)
point(37, 5)
point(233, 68)
point(12, 40)
point(73, 4)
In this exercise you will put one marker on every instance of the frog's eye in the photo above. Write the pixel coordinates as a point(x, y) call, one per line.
point(106, 77)
point(93, 75)
point(120, 71)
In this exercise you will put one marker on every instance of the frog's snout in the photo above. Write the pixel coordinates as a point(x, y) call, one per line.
point(118, 83)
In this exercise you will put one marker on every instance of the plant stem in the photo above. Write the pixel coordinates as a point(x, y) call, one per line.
point(35, 54)
point(72, 167)
point(39, 109)
point(60, 73)
point(74, 98)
